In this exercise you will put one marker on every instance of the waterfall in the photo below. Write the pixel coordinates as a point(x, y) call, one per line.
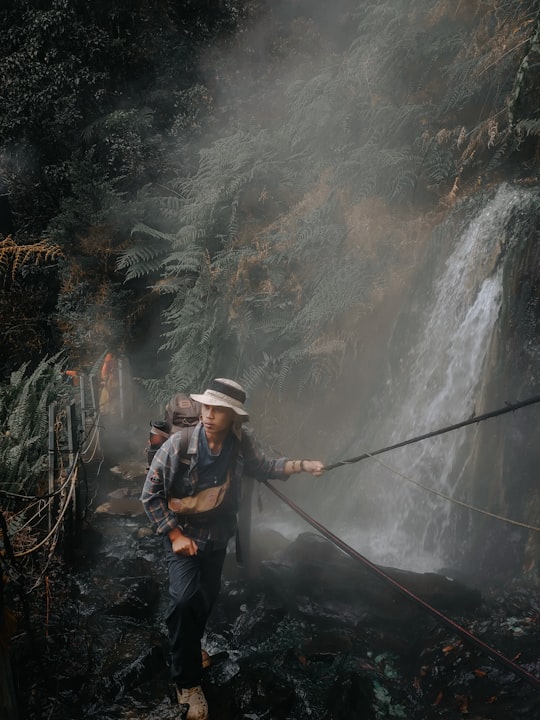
point(390, 518)
point(437, 363)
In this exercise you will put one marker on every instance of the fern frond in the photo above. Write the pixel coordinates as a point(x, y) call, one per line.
point(139, 255)
point(151, 232)
point(144, 258)
point(17, 256)
point(528, 127)
point(24, 423)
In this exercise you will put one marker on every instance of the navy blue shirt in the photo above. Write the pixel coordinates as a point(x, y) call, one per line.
point(212, 469)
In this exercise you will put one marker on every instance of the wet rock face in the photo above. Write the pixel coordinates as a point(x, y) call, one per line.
point(122, 502)
point(314, 567)
point(121, 587)
point(310, 637)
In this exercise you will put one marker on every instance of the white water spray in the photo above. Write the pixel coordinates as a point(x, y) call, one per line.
point(371, 505)
point(395, 522)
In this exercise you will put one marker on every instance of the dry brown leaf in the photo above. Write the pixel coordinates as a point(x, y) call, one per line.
point(449, 648)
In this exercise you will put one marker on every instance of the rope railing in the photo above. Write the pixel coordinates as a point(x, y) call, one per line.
point(45, 496)
point(509, 407)
point(461, 503)
point(53, 533)
point(455, 627)
point(60, 500)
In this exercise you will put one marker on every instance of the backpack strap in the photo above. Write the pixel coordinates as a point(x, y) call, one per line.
point(185, 438)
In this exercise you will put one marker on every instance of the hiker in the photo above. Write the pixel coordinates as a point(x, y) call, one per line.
point(191, 493)
point(109, 386)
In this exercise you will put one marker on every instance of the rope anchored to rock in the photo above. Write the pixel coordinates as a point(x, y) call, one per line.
point(458, 629)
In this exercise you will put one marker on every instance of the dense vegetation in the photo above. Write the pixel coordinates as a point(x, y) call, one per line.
point(93, 95)
point(239, 183)
point(235, 165)
point(233, 187)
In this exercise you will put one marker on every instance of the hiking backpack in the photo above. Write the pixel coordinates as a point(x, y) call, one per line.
point(180, 412)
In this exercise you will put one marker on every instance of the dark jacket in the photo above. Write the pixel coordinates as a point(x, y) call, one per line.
point(170, 468)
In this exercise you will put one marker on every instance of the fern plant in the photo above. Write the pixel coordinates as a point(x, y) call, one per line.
point(24, 403)
point(255, 248)
point(14, 257)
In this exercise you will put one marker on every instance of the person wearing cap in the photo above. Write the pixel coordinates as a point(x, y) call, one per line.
point(191, 494)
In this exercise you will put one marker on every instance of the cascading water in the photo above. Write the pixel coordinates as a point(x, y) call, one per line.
point(437, 384)
point(437, 363)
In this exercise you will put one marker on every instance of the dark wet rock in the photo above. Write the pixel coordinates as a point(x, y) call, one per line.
point(309, 638)
point(326, 644)
point(313, 567)
point(122, 492)
point(133, 659)
point(352, 697)
point(461, 576)
point(143, 532)
point(252, 693)
point(126, 588)
point(8, 698)
point(267, 544)
point(137, 600)
point(129, 469)
point(122, 501)
point(275, 681)
point(258, 620)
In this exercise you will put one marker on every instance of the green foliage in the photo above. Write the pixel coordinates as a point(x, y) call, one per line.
point(92, 93)
point(399, 101)
point(262, 288)
point(233, 302)
point(24, 403)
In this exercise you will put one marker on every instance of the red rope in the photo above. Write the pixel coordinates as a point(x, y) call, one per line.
point(458, 629)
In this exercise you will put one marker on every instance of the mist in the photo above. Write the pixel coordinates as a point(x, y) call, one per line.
point(365, 279)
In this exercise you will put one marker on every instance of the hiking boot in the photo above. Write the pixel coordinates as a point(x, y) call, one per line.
point(194, 697)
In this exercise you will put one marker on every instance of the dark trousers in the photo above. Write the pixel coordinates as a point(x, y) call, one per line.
point(194, 584)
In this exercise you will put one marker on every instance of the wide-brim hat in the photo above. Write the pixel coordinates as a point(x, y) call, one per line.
point(224, 393)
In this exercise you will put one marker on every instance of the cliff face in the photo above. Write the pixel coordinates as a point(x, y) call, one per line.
point(503, 473)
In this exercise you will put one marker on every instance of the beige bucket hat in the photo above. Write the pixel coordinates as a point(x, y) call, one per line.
point(224, 393)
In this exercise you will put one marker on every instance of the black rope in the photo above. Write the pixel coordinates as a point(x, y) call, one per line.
point(510, 407)
point(45, 496)
point(458, 629)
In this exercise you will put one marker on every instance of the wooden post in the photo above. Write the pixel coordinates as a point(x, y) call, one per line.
point(72, 449)
point(51, 459)
point(82, 384)
point(72, 519)
point(91, 382)
point(71, 431)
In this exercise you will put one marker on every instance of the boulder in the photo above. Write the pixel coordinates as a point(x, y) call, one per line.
point(312, 566)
